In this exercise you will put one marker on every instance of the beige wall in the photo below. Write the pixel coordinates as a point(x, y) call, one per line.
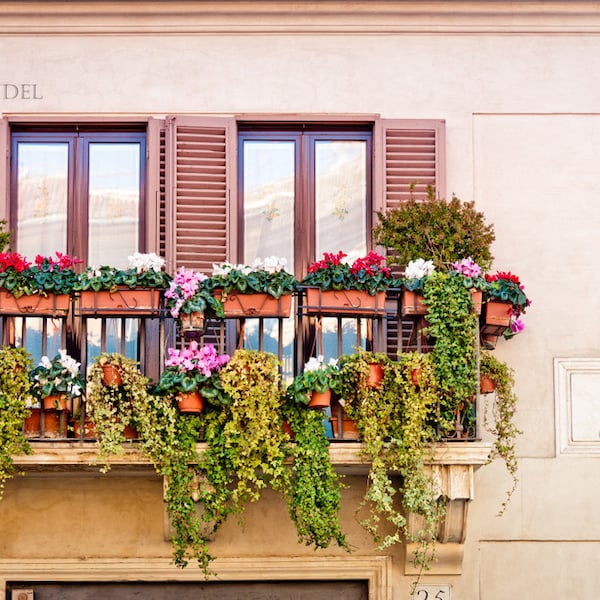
point(523, 132)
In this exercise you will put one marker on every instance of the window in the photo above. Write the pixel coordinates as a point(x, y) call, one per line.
point(80, 192)
point(304, 192)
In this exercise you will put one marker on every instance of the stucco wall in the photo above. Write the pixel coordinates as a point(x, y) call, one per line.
point(523, 126)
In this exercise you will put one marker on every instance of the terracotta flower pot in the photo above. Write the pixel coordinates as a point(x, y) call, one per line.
point(333, 302)
point(89, 429)
point(190, 402)
point(55, 424)
point(343, 427)
point(56, 402)
point(320, 399)
point(287, 428)
point(236, 305)
point(413, 303)
point(111, 376)
point(32, 427)
point(486, 385)
point(375, 375)
point(415, 376)
point(124, 302)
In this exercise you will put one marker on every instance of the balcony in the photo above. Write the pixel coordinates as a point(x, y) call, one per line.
point(309, 331)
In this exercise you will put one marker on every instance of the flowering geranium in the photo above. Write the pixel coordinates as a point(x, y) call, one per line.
point(268, 276)
point(61, 375)
point(145, 270)
point(189, 292)
point(368, 273)
point(193, 368)
point(47, 274)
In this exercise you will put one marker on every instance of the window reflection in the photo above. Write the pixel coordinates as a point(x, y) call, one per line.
point(114, 200)
point(42, 191)
point(269, 184)
point(341, 197)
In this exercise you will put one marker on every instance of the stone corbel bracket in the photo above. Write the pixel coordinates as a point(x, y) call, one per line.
point(455, 481)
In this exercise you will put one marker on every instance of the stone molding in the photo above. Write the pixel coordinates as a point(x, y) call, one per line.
point(377, 570)
point(299, 17)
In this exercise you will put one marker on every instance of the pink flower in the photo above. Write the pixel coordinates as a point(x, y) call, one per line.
point(467, 267)
point(516, 326)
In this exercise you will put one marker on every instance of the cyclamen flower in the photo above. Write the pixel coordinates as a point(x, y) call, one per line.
point(467, 267)
point(329, 260)
point(146, 262)
point(516, 326)
point(193, 357)
point(419, 268)
point(69, 363)
point(371, 264)
point(318, 363)
point(183, 287)
point(271, 264)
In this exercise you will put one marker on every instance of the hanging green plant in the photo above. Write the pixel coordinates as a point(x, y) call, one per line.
point(252, 435)
point(453, 325)
point(498, 417)
point(394, 420)
point(314, 493)
point(14, 394)
point(113, 407)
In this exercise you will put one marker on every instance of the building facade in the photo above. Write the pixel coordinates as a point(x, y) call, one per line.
point(489, 101)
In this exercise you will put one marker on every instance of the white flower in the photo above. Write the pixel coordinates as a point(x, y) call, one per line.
point(46, 362)
point(318, 363)
point(69, 363)
point(274, 264)
point(146, 262)
point(75, 390)
point(419, 268)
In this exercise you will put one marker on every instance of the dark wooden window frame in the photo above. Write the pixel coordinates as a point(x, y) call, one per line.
point(79, 139)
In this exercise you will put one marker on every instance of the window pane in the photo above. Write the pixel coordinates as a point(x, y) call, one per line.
point(269, 185)
point(341, 197)
point(42, 188)
point(114, 200)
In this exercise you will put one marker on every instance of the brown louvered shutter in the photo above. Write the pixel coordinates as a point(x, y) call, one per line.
point(409, 158)
point(408, 154)
point(200, 192)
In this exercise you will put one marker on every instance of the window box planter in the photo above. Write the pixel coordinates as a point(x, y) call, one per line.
point(238, 305)
point(496, 317)
point(52, 305)
point(350, 302)
point(126, 302)
point(413, 302)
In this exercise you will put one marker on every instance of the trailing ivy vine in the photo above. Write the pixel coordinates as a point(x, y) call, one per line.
point(394, 420)
point(452, 323)
point(14, 393)
point(498, 417)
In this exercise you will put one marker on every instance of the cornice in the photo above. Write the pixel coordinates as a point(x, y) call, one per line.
point(200, 17)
